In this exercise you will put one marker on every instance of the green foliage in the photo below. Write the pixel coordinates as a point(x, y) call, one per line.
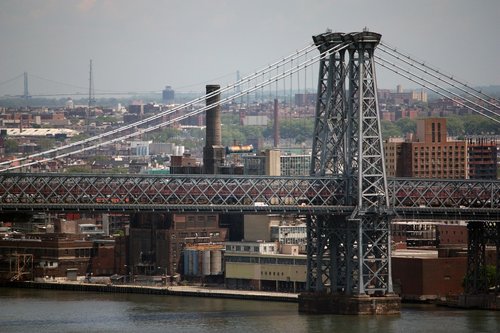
point(46, 143)
point(455, 126)
point(390, 129)
point(489, 271)
point(11, 146)
point(166, 135)
point(78, 169)
point(232, 134)
point(292, 128)
point(105, 119)
point(476, 124)
point(229, 119)
point(79, 137)
point(406, 125)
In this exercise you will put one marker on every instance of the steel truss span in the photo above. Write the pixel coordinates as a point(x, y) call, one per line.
point(194, 193)
point(409, 198)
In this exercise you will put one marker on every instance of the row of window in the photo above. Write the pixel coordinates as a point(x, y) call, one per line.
point(266, 260)
point(40, 253)
point(438, 148)
point(248, 248)
point(198, 234)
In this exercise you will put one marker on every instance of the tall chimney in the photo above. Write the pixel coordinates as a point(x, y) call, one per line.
point(276, 125)
point(213, 130)
point(213, 152)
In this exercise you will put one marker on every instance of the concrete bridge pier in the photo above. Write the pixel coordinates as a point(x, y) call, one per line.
point(326, 303)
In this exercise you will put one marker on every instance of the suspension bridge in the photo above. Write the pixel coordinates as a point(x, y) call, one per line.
point(348, 200)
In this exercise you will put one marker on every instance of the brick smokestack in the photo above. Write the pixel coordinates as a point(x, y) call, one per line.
point(213, 152)
point(213, 130)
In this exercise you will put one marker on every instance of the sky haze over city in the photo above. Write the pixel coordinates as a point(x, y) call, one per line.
point(145, 45)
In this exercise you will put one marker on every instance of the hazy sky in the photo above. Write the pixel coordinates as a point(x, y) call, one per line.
point(143, 45)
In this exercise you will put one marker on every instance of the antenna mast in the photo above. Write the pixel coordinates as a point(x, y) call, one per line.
point(91, 91)
point(26, 94)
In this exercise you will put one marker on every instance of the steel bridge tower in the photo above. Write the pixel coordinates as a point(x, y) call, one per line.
point(349, 255)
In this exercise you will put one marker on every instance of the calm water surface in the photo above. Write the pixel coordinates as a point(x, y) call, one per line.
point(27, 310)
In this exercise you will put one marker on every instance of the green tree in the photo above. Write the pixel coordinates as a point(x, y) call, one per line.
point(78, 169)
point(477, 125)
point(165, 135)
point(488, 271)
point(292, 128)
point(390, 129)
point(105, 119)
point(455, 126)
point(231, 134)
point(11, 146)
point(406, 125)
point(45, 143)
point(79, 137)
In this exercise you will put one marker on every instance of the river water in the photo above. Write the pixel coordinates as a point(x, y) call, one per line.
point(29, 310)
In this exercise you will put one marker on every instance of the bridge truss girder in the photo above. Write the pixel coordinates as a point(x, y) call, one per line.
point(410, 198)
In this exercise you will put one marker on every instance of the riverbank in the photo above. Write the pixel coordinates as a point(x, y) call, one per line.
point(193, 291)
point(483, 302)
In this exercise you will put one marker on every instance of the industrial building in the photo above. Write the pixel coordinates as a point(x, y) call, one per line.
point(203, 262)
point(423, 275)
point(62, 256)
point(259, 266)
point(157, 240)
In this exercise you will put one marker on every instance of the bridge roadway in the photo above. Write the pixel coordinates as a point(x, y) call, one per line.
point(409, 198)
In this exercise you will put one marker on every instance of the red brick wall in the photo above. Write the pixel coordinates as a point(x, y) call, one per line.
point(104, 261)
point(452, 234)
point(430, 277)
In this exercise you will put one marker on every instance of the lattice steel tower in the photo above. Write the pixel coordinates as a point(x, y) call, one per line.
point(350, 254)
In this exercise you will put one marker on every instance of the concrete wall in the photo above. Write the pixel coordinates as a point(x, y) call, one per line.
point(258, 227)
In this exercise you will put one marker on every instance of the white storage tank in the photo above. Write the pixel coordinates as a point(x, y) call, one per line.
point(215, 262)
point(206, 263)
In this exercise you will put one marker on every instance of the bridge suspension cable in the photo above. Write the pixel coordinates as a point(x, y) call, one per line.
point(269, 81)
point(415, 78)
point(392, 51)
point(274, 66)
point(11, 79)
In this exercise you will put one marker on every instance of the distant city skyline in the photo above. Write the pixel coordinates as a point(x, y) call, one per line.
point(144, 46)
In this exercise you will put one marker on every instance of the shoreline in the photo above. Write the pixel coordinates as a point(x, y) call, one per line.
point(191, 291)
point(477, 302)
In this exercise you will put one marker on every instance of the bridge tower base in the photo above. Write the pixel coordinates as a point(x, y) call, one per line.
point(325, 303)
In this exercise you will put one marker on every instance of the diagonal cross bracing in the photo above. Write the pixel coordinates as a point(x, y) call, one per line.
point(350, 254)
point(423, 198)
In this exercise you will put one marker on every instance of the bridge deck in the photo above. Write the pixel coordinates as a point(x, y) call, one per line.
point(409, 198)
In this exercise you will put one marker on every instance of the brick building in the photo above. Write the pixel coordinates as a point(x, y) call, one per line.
point(157, 240)
point(425, 275)
point(428, 154)
point(59, 255)
point(482, 158)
